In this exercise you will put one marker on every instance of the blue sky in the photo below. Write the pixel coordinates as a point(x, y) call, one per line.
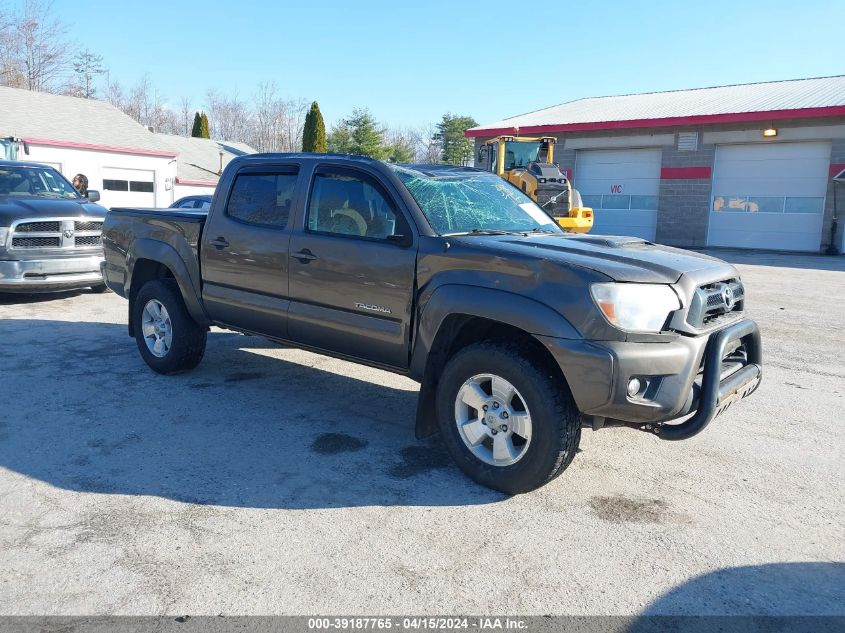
point(409, 62)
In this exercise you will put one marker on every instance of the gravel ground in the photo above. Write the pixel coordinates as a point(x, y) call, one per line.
point(276, 481)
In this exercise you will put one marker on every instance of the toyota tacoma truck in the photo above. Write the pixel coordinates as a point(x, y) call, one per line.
point(49, 234)
point(520, 334)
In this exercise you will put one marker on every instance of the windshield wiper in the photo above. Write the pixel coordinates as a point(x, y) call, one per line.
point(484, 232)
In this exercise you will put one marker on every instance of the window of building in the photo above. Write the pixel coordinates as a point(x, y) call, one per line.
point(143, 187)
point(116, 185)
point(767, 204)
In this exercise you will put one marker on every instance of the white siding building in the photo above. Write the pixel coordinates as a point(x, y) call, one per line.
point(126, 162)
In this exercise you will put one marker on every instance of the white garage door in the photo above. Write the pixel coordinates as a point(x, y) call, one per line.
point(622, 187)
point(127, 187)
point(769, 196)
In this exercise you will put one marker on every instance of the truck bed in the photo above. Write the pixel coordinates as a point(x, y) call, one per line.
point(132, 230)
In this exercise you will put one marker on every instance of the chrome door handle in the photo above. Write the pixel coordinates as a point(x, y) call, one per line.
point(305, 256)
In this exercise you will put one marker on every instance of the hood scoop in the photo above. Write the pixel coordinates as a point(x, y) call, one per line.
point(611, 241)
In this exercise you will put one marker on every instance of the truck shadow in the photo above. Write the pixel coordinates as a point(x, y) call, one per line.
point(81, 411)
point(797, 596)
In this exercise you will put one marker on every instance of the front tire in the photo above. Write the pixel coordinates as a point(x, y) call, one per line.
point(169, 340)
point(509, 423)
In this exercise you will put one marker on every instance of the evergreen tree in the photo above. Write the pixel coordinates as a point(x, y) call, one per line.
point(314, 132)
point(360, 134)
point(204, 126)
point(401, 152)
point(456, 149)
point(87, 66)
point(340, 139)
point(197, 127)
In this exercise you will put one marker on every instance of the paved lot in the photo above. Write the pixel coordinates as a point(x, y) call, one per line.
point(272, 480)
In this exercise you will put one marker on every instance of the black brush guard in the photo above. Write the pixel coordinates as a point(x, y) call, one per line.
point(716, 393)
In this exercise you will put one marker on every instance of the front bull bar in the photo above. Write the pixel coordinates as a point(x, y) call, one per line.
point(715, 394)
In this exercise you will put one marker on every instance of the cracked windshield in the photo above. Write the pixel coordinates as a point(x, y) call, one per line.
point(473, 202)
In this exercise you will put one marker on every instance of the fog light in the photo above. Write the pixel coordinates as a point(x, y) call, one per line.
point(633, 387)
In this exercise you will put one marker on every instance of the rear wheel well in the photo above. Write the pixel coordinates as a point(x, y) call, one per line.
point(144, 270)
point(461, 330)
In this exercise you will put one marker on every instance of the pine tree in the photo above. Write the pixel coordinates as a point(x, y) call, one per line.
point(314, 132)
point(359, 134)
point(197, 127)
point(87, 66)
point(456, 148)
point(204, 126)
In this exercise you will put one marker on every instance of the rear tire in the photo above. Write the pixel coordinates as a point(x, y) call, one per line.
point(490, 446)
point(169, 340)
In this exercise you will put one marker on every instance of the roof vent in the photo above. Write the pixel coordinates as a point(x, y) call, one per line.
point(687, 141)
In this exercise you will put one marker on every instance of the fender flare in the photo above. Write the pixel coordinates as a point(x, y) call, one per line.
point(165, 254)
point(506, 307)
point(519, 311)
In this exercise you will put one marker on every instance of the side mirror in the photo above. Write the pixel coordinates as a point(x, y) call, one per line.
point(400, 240)
point(93, 195)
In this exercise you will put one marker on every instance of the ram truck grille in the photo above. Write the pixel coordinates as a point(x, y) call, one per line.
point(38, 227)
point(66, 234)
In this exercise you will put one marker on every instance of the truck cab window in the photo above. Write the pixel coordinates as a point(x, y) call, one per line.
point(263, 199)
point(344, 204)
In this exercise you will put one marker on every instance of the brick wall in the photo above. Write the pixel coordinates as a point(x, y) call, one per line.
point(837, 157)
point(684, 203)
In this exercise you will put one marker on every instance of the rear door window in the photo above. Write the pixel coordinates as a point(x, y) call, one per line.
point(263, 199)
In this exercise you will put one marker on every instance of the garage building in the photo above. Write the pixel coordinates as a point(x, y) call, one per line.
point(743, 166)
point(129, 164)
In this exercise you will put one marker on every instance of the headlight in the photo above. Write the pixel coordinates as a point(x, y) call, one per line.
point(4, 233)
point(635, 307)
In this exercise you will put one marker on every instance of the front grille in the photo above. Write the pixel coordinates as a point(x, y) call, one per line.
point(67, 234)
point(35, 242)
point(38, 227)
point(715, 303)
point(89, 240)
point(88, 226)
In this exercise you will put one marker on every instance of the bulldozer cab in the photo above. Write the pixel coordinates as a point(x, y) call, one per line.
point(528, 163)
point(506, 153)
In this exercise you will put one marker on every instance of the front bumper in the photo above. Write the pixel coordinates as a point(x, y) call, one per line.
point(701, 375)
point(41, 275)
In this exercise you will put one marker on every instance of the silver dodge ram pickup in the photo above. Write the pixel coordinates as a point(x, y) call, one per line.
point(50, 236)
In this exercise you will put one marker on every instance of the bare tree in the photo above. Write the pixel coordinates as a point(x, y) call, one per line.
point(186, 117)
point(228, 117)
point(268, 120)
point(39, 46)
point(405, 143)
point(10, 67)
point(430, 148)
point(297, 110)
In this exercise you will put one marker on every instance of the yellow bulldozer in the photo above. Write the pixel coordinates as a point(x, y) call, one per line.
point(527, 162)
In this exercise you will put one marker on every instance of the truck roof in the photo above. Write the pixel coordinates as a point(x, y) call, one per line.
point(353, 158)
point(20, 163)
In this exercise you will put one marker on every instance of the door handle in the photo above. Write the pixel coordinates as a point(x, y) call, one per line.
point(305, 256)
point(220, 242)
